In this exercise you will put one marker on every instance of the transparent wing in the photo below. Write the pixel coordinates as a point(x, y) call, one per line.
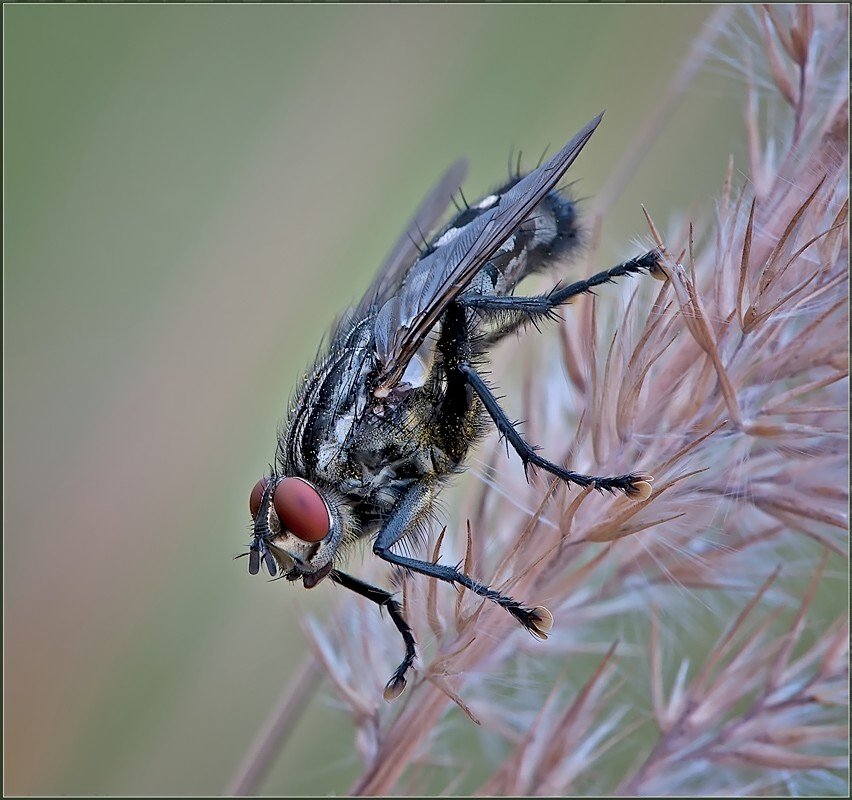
point(406, 318)
point(406, 250)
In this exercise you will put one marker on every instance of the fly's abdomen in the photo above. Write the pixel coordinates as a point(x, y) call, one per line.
point(547, 237)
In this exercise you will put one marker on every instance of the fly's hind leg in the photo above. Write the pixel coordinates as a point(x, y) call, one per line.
point(511, 312)
point(413, 506)
point(634, 485)
point(396, 684)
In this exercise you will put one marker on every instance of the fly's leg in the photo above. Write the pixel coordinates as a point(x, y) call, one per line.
point(513, 312)
point(632, 485)
point(396, 684)
point(414, 506)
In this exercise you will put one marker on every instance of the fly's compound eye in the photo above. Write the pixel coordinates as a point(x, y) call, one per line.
point(301, 509)
point(256, 496)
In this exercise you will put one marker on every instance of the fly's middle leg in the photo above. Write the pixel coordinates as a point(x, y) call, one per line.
point(634, 485)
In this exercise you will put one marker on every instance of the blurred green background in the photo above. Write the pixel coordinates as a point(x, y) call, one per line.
point(191, 193)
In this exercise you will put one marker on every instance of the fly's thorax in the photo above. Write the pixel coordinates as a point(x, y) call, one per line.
point(330, 404)
point(389, 461)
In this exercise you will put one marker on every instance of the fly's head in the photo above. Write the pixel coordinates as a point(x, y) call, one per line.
point(297, 529)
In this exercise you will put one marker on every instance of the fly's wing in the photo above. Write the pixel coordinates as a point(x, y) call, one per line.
point(405, 320)
point(405, 252)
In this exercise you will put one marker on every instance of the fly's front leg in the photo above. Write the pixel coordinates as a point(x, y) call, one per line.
point(512, 312)
point(396, 684)
point(637, 486)
point(413, 507)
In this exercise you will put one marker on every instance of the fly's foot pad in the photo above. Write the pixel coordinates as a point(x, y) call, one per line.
point(395, 687)
point(538, 621)
point(639, 487)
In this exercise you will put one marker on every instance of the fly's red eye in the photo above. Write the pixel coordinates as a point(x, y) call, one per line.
point(256, 496)
point(301, 509)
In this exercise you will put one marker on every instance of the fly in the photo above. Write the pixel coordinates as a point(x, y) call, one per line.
point(388, 413)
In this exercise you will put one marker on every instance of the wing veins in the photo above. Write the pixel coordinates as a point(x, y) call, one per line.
point(464, 259)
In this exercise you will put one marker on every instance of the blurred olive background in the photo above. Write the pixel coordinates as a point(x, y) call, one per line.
point(191, 193)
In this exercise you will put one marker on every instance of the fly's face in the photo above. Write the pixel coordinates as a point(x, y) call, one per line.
point(297, 530)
